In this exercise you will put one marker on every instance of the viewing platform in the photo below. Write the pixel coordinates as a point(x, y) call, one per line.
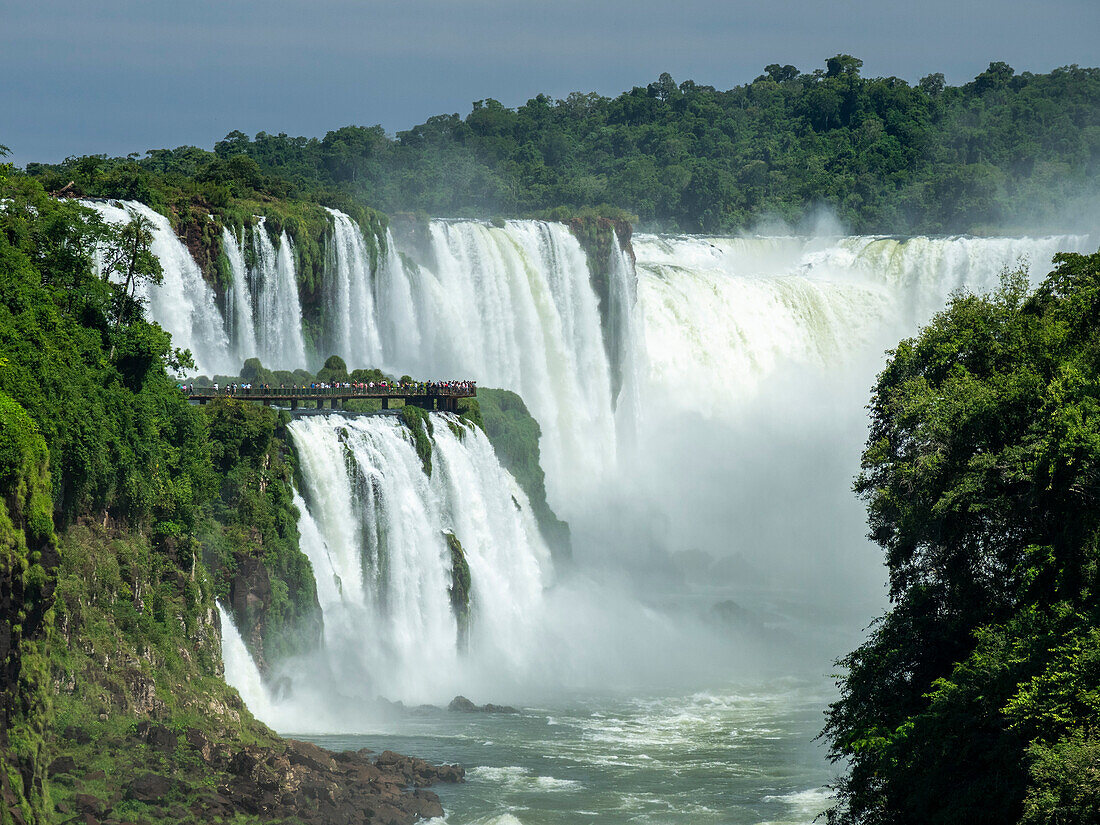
point(442, 397)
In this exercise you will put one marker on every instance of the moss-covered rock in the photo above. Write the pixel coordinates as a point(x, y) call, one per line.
point(460, 589)
point(515, 434)
point(419, 422)
point(250, 539)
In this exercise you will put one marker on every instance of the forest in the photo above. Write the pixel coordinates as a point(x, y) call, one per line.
point(1005, 151)
point(975, 698)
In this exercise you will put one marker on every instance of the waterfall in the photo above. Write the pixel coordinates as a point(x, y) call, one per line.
point(238, 313)
point(721, 315)
point(241, 671)
point(183, 303)
point(627, 345)
point(352, 330)
point(514, 307)
point(752, 356)
point(279, 335)
point(373, 525)
point(762, 353)
point(509, 306)
point(398, 297)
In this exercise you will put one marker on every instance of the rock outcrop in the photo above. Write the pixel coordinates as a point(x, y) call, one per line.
point(204, 780)
point(463, 705)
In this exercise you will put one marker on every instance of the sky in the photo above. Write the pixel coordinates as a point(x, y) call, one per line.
point(121, 76)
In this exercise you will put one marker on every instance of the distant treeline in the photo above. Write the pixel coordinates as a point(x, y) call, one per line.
point(1003, 151)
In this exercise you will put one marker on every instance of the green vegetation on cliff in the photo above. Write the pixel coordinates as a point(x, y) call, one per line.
point(250, 537)
point(420, 424)
point(27, 553)
point(111, 621)
point(202, 192)
point(977, 697)
point(515, 435)
point(460, 588)
point(1004, 150)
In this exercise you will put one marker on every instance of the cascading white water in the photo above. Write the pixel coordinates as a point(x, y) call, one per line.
point(397, 291)
point(511, 307)
point(514, 307)
point(278, 309)
point(753, 357)
point(183, 303)
point(241, 671)
point(626, 344)
point(239, 318)
point(351, 322)
point(722, 314)
point(373, 526)
point(762, 353)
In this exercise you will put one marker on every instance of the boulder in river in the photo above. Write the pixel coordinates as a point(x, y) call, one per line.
point(463, 705)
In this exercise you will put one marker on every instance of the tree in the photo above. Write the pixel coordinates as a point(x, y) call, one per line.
point(995, 77)
point(253, 372)
point(843, 65)
point(127, 254)
point(335, 369)
point(665, 88)
point(781, 74)
point(973, 700)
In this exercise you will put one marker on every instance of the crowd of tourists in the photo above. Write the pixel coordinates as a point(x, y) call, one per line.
point(356, 388)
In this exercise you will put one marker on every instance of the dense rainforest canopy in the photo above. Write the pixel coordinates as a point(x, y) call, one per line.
point(976, 698)
point(1005, 151)
point(113, 492)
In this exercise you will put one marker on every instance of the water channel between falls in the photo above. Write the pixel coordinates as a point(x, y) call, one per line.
point(701, 425)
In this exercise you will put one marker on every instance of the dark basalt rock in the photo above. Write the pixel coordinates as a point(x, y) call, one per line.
point(417, 772)
point(243, 763)
point(302, 781)
point(283, 780)
point(199, 742)
point(463, 705)
point(63, 764)
point(161, 739)
point(78, 735)
point(149, 787)
point(309, 755)
point(86, 803)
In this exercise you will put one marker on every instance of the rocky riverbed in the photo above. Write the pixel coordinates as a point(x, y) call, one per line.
point(201, 780)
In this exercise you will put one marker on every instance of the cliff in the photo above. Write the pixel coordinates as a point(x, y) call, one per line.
point(125, 513)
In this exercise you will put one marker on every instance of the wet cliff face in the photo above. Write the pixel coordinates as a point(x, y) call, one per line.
point(145, 729)
point(604, 240)
point(136, 632)
point(250, 544)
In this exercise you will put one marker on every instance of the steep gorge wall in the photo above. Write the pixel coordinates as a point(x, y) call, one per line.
point(28, 556)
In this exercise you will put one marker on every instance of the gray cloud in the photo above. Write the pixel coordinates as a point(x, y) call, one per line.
point(127, 75)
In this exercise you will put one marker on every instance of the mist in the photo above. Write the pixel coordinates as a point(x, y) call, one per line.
point(716, 538)
point(762, 352)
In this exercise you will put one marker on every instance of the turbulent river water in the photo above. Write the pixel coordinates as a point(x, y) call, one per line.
point(744, 754)
point(702, 415)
